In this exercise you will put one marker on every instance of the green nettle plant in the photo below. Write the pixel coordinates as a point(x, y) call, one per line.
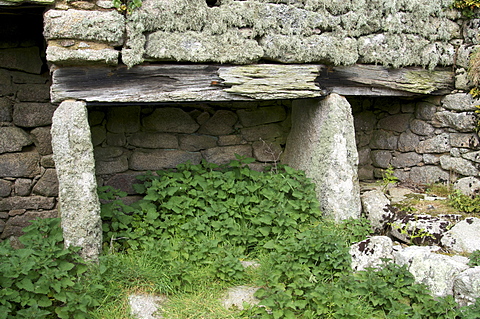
point(42, 279)
point(464, 203)
point(127, 6)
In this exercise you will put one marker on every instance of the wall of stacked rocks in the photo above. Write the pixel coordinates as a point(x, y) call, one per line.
point(425, 140)
point(130, 140)
point(28, 181)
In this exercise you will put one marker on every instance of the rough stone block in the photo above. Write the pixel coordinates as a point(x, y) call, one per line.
point(262, 115)
point(193, 143)
point(321, 140)
point(23, 59)
point(111, 165)
point(13, 139)
point(406, 159)
point(14, 225)
point(6, 107)
point(170, 120)
point(33, 114)
point(75, 165)
point(47, 161)
point(381, 158)
point(425, 111)
point(459, 165)
point(376, 207)
point(437, 144)
point(397, 123)
point(461, 102)
point(5, 188)
point(114, 139)
point(469, 186)
point(421, 127)
point(227, 140)
point(221, 123)
point(191, 46)
point(25, 164)
point(384, 140)
point(370, 252)
point(267, 152)
point(124, 182)
point(125, 119)
point(22, 186)
point(99, 135)
point(463, 237)
point(408, 141)
point(143, 160)
point(33, 92)
point(153, 140)
point(225, 154)
point(42, 139)
point(47, 185)
point(464, 140)
point(364, 156)
point(101, 26)
point(29, 203)
point(65, 56)
point(266, 132)
point(365, 121)
point(95, 118)
point(436, 271)
point(466, 286)
point(462, 122)
point(428, 174)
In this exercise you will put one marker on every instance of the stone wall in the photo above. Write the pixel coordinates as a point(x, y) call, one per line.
point(425, 140)
point(394, 33)
point(129, 140)
point(28, 182)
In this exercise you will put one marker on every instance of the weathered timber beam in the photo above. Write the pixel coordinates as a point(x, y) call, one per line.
point(198, 82)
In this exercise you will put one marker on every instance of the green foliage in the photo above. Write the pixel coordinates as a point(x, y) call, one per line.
point(467, 7)
point(388, 177)
point(474, 259)
point(42, 279)
point(247, 208)
point(127, 6)
point(464, 203)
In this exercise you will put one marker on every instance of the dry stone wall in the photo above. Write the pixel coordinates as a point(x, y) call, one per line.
point(129, 140)
point(28, 180)
point(425, 140)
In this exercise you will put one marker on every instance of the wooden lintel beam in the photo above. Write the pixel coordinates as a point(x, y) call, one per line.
point(198, 82)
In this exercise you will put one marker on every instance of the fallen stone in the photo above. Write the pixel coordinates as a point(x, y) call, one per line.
point(146, 306)
point(13, 139)
point(466, 286)
point(418, 229)
point(469, 186)
point(377, 209)
point(237, 296)
point(463, 237)
point(370, 252)
point(436, 271)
